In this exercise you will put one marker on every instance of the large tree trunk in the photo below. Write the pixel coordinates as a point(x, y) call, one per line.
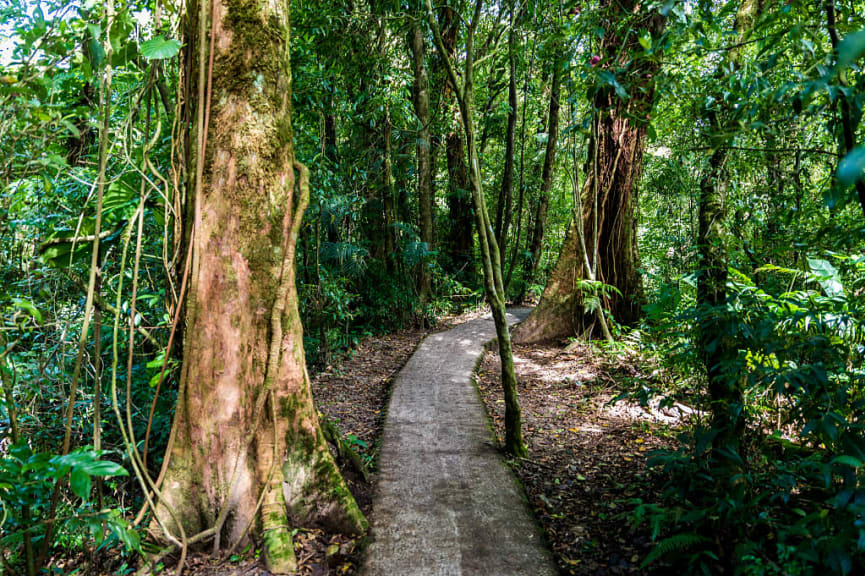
point(461, 247)
point(537, 242)
point(609, 201)
point(424, 164)
point(246, 453)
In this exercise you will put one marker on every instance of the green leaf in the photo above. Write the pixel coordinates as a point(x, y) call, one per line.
point(852, 167)
point(827, 276)
point(851, 48)
point(848, 461)
point(103, 468)
point(160, 48)
point(608, 77)
point(29, 308)
point(96, 53)
point(72, 128)
point(79, 480)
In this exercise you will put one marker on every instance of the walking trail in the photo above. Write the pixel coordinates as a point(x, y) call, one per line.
point(446, 504)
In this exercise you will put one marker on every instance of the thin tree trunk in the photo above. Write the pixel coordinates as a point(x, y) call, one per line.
point(521, 184)
point(247, 453)
point(489, 248)
point(716, 343)
point(390, 243)
point(537, 241)
point(424, 165)
point(503, 211)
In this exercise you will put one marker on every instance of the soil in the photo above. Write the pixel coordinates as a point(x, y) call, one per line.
point(352, 394)
point(587, 457)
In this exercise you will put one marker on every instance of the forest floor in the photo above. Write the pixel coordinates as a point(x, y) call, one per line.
point(352, 393)
point(587, 457)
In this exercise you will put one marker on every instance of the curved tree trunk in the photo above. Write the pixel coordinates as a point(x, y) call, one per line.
point(609, 201)
point(493, 284)
point(247, 455)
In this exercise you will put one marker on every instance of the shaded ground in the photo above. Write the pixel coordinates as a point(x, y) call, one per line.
point(446, 504)
point(353, 394)
point(586, 458)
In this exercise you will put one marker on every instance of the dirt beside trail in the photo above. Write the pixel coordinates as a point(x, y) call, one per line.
point(587, 458)
point(353, 394)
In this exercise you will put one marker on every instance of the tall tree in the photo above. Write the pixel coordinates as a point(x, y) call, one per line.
point(246, 452)
point(423, 150)
point(716, 341)
point(493, 283)
point(608, 222)
point(461, 239)
point(503, 210)
point(537, 237)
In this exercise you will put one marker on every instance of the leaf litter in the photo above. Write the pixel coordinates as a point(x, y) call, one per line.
point(587, 457)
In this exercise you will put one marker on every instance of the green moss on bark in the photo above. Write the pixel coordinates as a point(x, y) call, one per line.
point(278, 546)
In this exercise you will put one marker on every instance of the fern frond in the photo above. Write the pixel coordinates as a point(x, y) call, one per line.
point(675, 543)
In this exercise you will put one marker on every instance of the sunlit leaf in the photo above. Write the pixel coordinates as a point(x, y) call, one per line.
point(160, 48)
point(851, 48)
point(852, 167)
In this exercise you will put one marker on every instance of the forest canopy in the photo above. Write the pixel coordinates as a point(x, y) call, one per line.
point(203, 204)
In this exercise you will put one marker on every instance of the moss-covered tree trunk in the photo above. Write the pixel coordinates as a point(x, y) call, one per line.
point(424, 157)
point(493, 284)
point(717, 344)
point(609, 197)
point(247, 456)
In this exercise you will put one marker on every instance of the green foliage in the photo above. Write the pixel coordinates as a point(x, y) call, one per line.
point(27, 480)
point(793, 235)
point(159, 48)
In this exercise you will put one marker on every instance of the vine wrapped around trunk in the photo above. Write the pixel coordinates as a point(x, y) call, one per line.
point(246, 454)
point(609, 197)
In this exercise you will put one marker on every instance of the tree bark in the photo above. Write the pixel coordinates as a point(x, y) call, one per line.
point(504, 209)
point(537, 242)
point(717, 344)
point(389, 209)
point(461, 244)
point(608, 220)
point(521, 184)
point(493, 284)
point(246, 451)
point(424, 164)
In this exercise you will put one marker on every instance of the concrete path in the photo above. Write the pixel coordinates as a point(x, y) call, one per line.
point(446, 504)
